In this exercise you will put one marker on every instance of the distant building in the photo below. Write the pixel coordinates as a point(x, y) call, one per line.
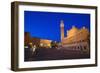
point(27, 38)
point(36, 41)
point(45, 43)
point(76, 38)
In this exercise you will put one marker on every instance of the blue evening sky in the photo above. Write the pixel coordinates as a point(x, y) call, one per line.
point(46, 25)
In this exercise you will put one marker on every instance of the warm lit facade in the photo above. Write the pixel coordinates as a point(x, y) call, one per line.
point(45, 43)
point(27, 38)
point(36, 41)
point(33, 40)
point(76, 38)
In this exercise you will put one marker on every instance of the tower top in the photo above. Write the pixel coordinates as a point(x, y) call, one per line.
point(61, 23)
point(83, 27)
point(73, 26)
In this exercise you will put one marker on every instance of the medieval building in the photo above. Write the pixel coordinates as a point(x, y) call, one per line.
point(36, 41)
point(76, 38)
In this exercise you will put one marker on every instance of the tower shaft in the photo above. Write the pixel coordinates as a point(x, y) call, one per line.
point(62, 30)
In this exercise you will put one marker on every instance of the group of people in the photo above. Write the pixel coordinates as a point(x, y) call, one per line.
point(29, 51)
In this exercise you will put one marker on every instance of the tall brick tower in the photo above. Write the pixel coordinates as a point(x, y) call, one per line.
point(62, 29)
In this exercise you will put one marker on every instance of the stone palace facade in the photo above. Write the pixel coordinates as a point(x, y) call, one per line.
point(76, 38)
